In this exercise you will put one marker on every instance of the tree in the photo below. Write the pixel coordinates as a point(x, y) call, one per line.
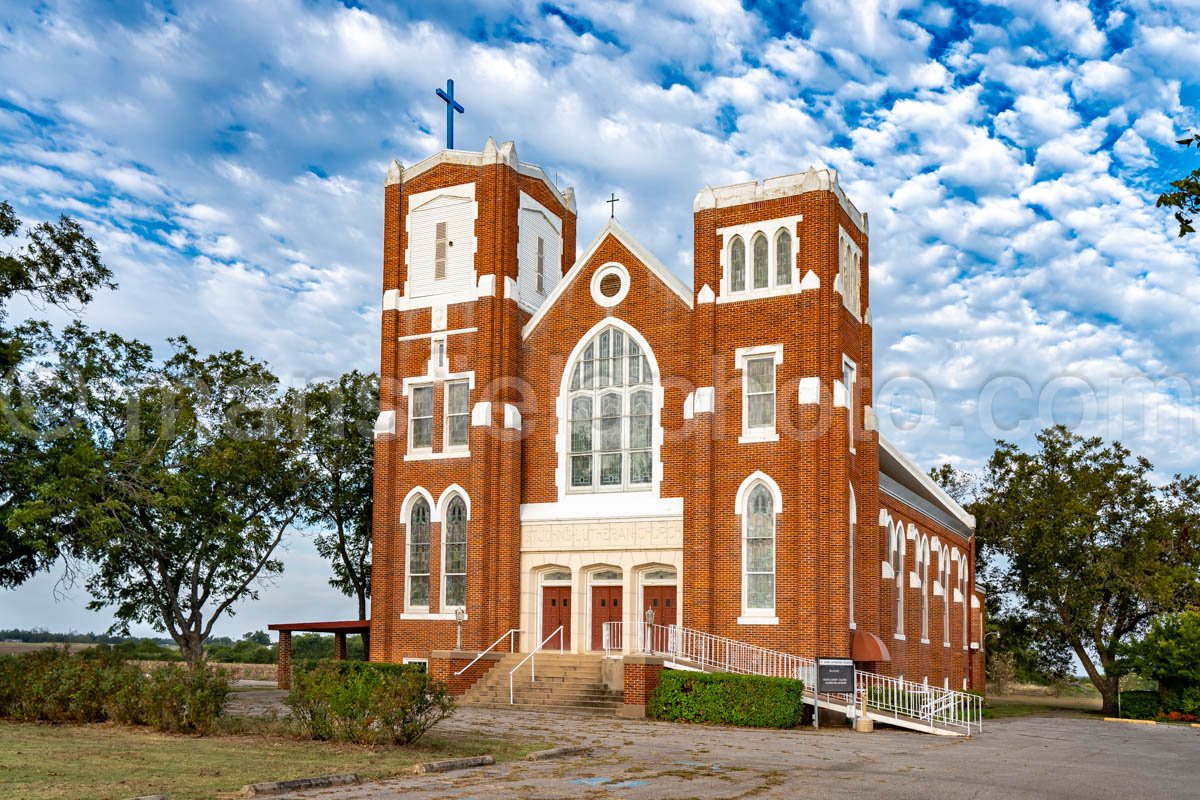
point(338, 418)
point(58, 265)
point(1016, 643)
point(1170, 651)
point(1186, 197)
point(177, 479)
point(1089, 546)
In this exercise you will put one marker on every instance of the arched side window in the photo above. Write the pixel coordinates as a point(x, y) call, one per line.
point(896, 558)
point(850, 535)
point(611, 415)
point(962, 590)
point(737, 264)
point(762, 271)
point(454, 555)
point(418, 554)
point(759, 555)
point(783, 257)
point(944, 580)
point(923, 576)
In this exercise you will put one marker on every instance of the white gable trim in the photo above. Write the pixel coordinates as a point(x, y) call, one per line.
point(944, 500)
point(653, 264)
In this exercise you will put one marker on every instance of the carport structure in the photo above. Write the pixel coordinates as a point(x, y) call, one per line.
point(339, 629)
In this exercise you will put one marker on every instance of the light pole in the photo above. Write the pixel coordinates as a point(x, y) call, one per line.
point(459, 616)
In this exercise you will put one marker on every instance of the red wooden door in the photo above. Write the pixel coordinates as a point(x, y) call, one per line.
point(660, 599)
point(606, 607)
point(556, 611)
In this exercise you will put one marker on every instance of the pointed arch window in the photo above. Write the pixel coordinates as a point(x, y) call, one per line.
point(783, 257)
point(896, 560)
point(454, 555)
point(962, 590)
point(762, 271)
point(418, 554)
point(944, 579)
point(923, 576)
point(737, 264)
point(611, 415)
point(760, 551)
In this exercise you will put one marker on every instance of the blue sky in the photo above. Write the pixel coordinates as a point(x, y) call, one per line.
point(229, 159)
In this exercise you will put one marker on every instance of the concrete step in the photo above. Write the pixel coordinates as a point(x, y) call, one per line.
point(608, 710)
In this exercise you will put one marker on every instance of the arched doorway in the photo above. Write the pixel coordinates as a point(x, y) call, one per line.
point(556, 607)
point(605, 587)
point(660, 603)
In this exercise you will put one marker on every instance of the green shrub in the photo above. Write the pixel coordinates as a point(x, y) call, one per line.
point(1143, 704)
point(99, 685)
point(727, 699)
point(367, 702)
point(1184, 699)
point(182, 699)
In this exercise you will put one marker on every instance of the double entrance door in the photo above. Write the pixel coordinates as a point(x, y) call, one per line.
point(606, 606)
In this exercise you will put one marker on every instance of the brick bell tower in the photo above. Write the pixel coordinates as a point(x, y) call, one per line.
point(782, 340)
point(471, 241)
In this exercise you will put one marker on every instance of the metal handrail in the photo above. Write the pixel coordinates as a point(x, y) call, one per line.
point(512, 647)
point(882, 694)
point(533, 666)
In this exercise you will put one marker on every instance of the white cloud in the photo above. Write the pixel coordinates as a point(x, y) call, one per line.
point(229, 160)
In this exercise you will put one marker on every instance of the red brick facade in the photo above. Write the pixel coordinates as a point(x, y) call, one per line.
point(519, 358)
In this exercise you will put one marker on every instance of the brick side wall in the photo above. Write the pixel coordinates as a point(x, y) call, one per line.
point(641, 678)
point(442, 667)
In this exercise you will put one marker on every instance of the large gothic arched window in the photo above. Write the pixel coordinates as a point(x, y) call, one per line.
point(611, 411)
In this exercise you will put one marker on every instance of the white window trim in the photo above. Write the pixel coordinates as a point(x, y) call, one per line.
point(741, 356)
point(412, 449)
point(447, 448)
point(424, 661)
point(464, 192)
point(645, 496)
point(768, 228)
point(897, 538)
point(851, 394)
point(406, 387)
point(846, 271)
point(741, 508)
point(406, 509)
point(444, 513)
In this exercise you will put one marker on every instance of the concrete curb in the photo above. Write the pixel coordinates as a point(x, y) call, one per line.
point(278, 787)
point(558, 752)
point(1131, 721)
point(151, 797)
point(451, 764)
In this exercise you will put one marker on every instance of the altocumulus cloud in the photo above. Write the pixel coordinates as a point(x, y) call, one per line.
point(229, 159)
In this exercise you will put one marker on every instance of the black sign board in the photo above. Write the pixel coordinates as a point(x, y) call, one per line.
point(835, 675)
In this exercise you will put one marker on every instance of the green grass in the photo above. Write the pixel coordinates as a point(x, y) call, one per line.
point(64, 762)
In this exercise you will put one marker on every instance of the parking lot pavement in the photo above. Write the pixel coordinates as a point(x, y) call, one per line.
point(1031, 757)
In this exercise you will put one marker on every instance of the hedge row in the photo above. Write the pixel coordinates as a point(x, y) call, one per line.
point(727, 699)
point(1175, 703)
point(98, 685)
point(367, 702)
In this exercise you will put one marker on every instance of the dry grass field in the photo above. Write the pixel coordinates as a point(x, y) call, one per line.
point(18, 648)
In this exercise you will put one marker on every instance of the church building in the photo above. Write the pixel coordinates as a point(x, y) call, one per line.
point(576, 446)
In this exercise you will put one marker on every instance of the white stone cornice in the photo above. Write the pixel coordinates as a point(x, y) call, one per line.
point(395, 173)
point(385, 424)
